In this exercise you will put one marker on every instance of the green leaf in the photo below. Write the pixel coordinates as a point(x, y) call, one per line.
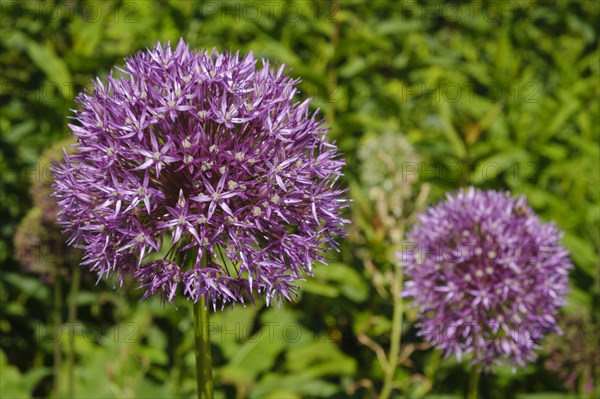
point(29, 285)
point(15, 385)
point(255, 356)
point(87, 36)
point(583, 254)
point(337, 278)
point(487, 170)
point(454, 139)
point(318, 288)
point(19, 131)
point(53, 66)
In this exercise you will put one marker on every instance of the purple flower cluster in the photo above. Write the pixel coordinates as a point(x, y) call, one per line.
point(488, 276)
point(199, 172)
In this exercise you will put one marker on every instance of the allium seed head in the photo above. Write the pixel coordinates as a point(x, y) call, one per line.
point(162, 164)
point(39, 245)
point(494, 291)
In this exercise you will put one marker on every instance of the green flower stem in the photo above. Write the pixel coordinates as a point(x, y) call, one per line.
point(57, 342)
point(72, 318)
point(331, 68)
point(203, 356)
point(473, 382)
point(396, 336)
point(202, 338)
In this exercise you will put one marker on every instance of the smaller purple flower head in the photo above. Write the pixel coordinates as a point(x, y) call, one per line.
point(487, 276)
point(200, 174)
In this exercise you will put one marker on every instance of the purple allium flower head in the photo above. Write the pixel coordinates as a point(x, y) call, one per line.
point(198, 172)
point(487, 275)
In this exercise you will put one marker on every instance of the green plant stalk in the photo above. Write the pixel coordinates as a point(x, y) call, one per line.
point(203, 355)
point(57, 341)
point(473, 382)
point(396, 335)
point(202, 338)
point(331, 69)
point(72, 318)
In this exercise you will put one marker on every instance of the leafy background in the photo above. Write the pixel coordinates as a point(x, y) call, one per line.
point(501, 95)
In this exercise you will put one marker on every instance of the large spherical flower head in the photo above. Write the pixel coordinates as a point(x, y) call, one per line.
point(198, 172)
point(488, 276)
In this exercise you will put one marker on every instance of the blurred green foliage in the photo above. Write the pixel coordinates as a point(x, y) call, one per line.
point(500, 95)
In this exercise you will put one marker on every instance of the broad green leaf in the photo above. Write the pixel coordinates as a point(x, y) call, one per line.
point(487, 170)
point(448, 129)
point(582, 253)
point(44, 57)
